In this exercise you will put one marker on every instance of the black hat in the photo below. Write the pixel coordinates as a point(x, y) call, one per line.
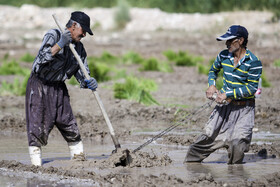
point(234, 31)
point(83, 20)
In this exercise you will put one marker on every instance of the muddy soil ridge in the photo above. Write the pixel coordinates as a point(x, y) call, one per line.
point(149, 33)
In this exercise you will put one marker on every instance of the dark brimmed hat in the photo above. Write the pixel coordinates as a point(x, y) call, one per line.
point(234, 31)
point(83, 20)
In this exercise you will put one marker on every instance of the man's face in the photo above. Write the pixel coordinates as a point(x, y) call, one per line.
point(77, 32)
point(234, 44)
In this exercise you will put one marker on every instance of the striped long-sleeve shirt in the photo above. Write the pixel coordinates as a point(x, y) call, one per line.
point(61, 66)
point(240, 82)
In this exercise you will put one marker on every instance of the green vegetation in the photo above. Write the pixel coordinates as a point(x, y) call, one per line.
point(170, 55)
point(27, 58)
point(73, 81)
point(219, 81)
point(122, 14)
point(152, 64)
point(6, 57)
point(277, 63)
point(187, 6)
point(100, 71)
point(265, 82)
point(132, 58)
point(12, 68)
point(16, 88)
point(108, 58)
point(182, 58)
point(204, 69)
point(104, 68)
point(137, 90)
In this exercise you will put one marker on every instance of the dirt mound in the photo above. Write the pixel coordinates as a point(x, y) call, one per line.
point(265, 150)
point(161, 180)
point(126, 158)
point(179, 139)
point(122, 158)
point(112, 178)
point(12, 124)
point(17, 166)
point(266, 116)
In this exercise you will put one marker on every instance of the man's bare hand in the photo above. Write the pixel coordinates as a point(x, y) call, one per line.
point(221, 98)
point(210, 92)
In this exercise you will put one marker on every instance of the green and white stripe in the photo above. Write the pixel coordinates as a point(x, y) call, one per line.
point(240, 82)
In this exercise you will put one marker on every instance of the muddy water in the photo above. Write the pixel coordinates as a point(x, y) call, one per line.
point(57, 151)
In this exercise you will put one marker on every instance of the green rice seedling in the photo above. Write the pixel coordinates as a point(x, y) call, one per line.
point(219, 83)
point(108, 58)
point(211, 62)
point(6, 56)
point(132, 58)
point(16, 88)
point(151, 64)
point(13, 68)
point(170, 55)
point(27, 57)
point(100, 71)
point(265, 82)
point(122, 14)
point(277, 63)
point(73, 81)
point(202, 69)
point(118, 74)
point(136, 89)
point(165, 67)
point(184, 58)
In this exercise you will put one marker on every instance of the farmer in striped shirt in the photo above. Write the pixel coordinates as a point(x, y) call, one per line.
point(230, 125)
point(47, 98)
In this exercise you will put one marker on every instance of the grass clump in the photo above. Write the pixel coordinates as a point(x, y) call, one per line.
point(16, 88)
point(136, 90)
point(73, 81)
point(100, 71)
point(152, 64)
point(122, 14)
point(277, 63)
point(27, 58)
point(13, 68)
point(108, 58)
point(202, 69)
point(170, 55)
point(265, 82)
point(132, 58)
point(182, 58)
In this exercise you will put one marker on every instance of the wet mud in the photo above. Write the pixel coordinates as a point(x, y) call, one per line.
point(180, 93)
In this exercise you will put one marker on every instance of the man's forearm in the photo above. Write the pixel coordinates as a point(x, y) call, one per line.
point(55, 49)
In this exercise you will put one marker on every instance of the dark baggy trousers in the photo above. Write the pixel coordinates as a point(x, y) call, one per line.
point(229, 126)
point(48, 104)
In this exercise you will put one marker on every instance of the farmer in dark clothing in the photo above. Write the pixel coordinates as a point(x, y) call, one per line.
point(230, 125)
point(47, 98)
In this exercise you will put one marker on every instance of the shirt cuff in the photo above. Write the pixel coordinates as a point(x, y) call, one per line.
point(230, 94)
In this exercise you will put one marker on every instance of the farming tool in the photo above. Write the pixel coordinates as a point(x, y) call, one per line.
point(188, 117)
point(100, 104)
